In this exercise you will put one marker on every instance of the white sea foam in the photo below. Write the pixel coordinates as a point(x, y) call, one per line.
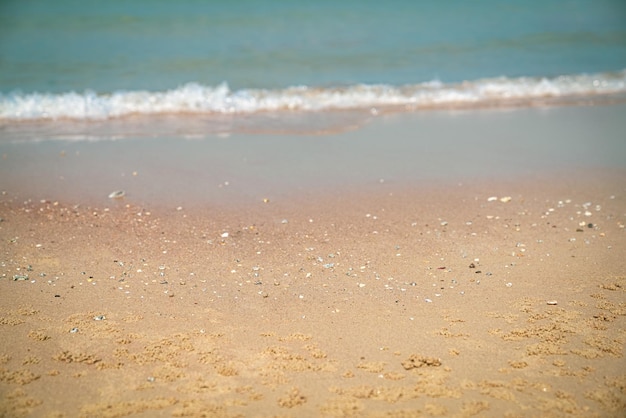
point(194, 98)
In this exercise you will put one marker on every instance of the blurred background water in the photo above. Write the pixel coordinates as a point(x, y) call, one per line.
point(107, 46)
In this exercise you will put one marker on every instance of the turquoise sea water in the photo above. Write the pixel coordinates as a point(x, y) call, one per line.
point(72, 59)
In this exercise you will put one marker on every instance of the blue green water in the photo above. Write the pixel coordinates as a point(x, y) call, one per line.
point(255, 49)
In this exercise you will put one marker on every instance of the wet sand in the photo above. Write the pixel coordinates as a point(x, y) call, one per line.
point(400, 293)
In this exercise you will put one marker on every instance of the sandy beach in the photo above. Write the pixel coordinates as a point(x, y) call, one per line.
point(496, 290)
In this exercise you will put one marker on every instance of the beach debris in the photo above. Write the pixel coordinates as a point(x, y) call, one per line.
point(18, 277)
point(74, 330)
point(117, 194)
point(99, 318)
point(416, 361)
point(505, 199)
point(224, 235)
point(552, 302)
point(292, 399)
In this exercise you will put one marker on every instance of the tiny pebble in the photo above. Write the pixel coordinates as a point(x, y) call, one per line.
point(552, 302)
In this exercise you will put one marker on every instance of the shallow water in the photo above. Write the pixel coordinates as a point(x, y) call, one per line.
point(397, 150)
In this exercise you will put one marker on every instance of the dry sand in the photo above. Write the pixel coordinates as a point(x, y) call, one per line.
point(393, 302)
point(276, 291)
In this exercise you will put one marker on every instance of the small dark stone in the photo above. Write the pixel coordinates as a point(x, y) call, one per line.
point(57, 296)
point(472, 266)
point(589, 225)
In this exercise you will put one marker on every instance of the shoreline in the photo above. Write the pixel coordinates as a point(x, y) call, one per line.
point(403, 150)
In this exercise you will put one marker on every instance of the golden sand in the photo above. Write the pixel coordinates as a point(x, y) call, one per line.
point(470, 300)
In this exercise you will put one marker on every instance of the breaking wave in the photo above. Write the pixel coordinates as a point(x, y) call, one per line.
point(194, 98)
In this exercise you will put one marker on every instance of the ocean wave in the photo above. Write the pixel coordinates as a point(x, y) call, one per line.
point(194, 98)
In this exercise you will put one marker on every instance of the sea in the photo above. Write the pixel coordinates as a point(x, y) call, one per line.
point(75, 63)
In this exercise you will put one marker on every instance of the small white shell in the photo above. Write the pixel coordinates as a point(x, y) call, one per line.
point(118, 194)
